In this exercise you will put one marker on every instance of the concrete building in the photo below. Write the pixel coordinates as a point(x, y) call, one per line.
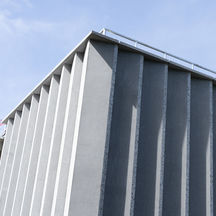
point(113, 130)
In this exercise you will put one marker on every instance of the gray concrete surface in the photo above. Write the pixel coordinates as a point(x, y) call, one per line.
point(149, 175)
point(214, 149)
point(94, 97)
point(16, 160)
point(44, 147)
point(10, 157)
point(119, 180)
point(22, 173)
point(49, 182)
point(175, 200)
point(65, 154)
point(32, 164)
point(200, 187)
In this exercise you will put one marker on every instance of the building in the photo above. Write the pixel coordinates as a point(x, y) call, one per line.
point(113, 130)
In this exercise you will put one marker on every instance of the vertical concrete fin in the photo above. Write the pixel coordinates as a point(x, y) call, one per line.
point(122, 142)
point(176, 144)
point(9, 160)
point(44, 147)
point(89, 141)
point(49, 184)
point(6, 147)
point(16, 162)
point(22, 171)
point(149, 175)
point(200, 186)
point(138, 122)
point(214, 148)
point(60, 187)
point(33, 158)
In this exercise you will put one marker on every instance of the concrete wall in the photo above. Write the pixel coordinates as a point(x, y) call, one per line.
point(116, 133)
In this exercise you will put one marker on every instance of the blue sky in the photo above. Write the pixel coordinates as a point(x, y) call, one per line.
point(36, 35)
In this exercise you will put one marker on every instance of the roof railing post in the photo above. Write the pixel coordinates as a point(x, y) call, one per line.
point(135, 44)
point(192, 66)
point(165, 55)
point(103, 31)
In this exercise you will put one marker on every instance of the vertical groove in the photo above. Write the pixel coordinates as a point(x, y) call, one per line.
point(210, 180)
point(186, 213)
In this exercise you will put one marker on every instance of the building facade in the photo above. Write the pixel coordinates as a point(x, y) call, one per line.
point(113, 130)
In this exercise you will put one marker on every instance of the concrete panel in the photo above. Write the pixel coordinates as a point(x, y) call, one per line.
point(33, 159)
point(61, 182)
point(119, 180)
point(9, 160)
point(16, 162)
point(20, 181)
point(176, 164)
point(44, 147)
point(46, 203)
point(200, 187)
point(89, 143)
point(149, 175)
point(5, 148)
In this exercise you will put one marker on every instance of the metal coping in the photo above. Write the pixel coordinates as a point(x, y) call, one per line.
point(165, 55)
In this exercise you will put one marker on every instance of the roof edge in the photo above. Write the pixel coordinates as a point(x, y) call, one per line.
point(80, 47)
point(47, 77)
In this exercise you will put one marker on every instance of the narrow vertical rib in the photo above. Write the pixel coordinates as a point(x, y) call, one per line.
point(61, 180)
point(46, 203)
point(22, 172)
point(214, 149)
point(9, 160)
point(44, 147)
point(16, 161)
point(35, 147)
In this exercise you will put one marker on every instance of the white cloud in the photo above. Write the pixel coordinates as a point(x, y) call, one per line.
point(15, 4)
point(21, 26)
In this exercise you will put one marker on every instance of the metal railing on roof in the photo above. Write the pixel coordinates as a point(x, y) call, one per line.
point(165, 55)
